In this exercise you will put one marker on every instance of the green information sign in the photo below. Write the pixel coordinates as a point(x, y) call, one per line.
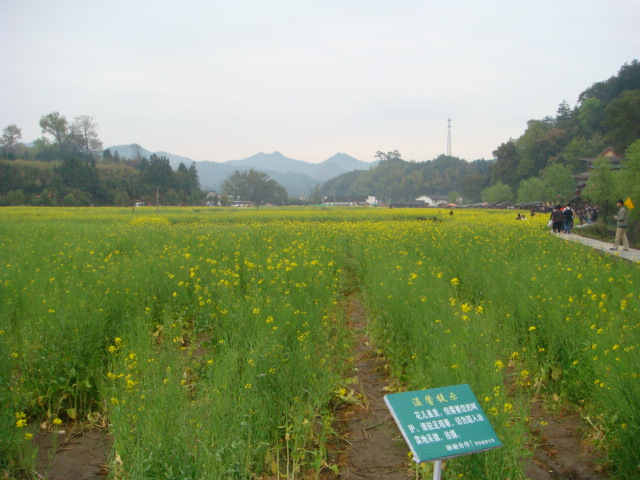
point(442, 423)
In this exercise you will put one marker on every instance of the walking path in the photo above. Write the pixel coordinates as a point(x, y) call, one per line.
point(371, 446)
point(632, 255)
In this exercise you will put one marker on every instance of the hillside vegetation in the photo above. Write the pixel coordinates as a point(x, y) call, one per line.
point(607, 115)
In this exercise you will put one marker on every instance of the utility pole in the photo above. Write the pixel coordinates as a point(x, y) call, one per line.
point(449, 137)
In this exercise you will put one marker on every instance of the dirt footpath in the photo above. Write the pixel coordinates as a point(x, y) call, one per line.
point(371, 446)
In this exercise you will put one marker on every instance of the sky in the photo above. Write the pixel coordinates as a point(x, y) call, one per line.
point(225, 79)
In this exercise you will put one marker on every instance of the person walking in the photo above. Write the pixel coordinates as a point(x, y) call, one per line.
point(568, 218)
point(557, 219)
point(621, 228)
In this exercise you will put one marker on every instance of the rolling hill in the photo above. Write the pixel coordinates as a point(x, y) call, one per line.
point(296, 176)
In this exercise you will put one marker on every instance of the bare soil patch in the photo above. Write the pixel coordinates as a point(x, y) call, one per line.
point(370, 445)
point(562, 449)
point(78, 455)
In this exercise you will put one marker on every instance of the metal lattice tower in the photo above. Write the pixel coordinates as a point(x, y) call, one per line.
point(449, 138)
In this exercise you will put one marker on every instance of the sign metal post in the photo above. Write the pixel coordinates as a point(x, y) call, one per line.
point(437, 470)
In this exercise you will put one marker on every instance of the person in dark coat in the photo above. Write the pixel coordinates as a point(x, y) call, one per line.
point(557, 218)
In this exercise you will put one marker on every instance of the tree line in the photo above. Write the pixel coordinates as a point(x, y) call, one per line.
point(538, 166)
point(606, 115)
point(67, 166)
point(394, 179)
point(73, 181)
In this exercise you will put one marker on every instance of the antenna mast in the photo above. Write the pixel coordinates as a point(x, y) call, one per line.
point(449, 137)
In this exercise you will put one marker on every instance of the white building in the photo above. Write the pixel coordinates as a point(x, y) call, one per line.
point(432, 200)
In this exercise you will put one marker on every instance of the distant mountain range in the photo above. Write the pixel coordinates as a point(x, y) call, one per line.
point(296, 176)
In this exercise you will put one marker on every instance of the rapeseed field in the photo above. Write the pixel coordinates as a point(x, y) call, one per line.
point(210, 341)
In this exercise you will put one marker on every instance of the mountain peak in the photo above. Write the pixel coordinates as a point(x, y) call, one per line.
point(295, 175)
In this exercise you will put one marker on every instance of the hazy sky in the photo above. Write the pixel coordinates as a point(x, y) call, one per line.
point(221, 80)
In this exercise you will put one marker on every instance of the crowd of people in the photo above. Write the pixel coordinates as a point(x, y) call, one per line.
point(587, 215)
point(563, 217)
point(562, 221)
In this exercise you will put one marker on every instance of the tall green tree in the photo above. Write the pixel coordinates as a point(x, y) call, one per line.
point(505, 169)
point(559, 183)
point(497, 193)
point(531, 190)
point(577, 149)
point(590, 117)
point(55, 125)
point(541, 144)
point(85, 130)
point(11, 135)
point(528, 163)
point(254, 186)
point(183, 180)
point(188, 183)
point(196, 196)
point(194, 177)
point(472, 186)
point(158, 174)
point(564, 115)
